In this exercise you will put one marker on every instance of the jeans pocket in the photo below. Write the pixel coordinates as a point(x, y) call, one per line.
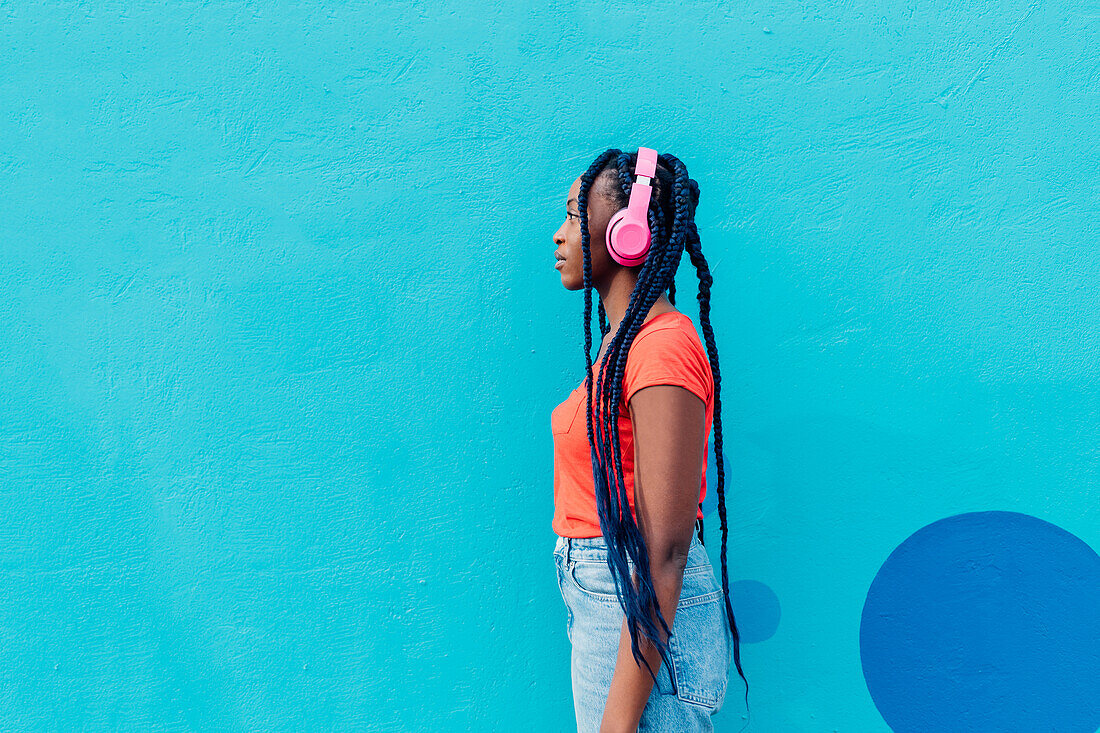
point(593, 579)
point(700, 649)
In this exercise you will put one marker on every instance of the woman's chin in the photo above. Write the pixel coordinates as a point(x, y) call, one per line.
point(571, 281)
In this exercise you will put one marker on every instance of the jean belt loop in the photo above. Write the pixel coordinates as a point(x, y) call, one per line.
point(568, 547)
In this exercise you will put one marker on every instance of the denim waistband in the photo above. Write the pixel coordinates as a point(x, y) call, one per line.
point(595, 548)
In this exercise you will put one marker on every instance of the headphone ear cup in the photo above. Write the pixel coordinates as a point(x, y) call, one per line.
point(628, 240)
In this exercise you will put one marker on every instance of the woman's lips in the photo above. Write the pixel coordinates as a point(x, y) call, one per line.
point(559, 264)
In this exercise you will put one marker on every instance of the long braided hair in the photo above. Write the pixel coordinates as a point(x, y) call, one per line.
point(672, 230)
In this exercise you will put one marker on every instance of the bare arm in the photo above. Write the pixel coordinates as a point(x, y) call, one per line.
point(669, 435)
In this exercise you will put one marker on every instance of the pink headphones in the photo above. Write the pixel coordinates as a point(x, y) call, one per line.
point(628, 230)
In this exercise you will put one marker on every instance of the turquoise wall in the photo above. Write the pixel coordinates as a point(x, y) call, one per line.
point(282, 335)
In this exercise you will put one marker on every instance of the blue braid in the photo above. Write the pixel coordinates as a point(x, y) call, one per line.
point(695, 251)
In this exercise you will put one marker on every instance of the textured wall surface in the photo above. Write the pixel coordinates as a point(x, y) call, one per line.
point(281, 338)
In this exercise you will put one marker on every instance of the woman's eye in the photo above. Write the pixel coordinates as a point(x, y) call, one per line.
point(571, 215)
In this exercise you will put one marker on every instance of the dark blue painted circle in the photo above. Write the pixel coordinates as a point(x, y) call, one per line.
point(986, 621)
point(755, 609)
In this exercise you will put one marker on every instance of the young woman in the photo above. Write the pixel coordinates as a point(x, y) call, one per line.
point(651, 629)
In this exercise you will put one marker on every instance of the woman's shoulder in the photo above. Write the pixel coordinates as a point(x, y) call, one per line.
point(669, 337)
point(669, 328)
point(668, 351)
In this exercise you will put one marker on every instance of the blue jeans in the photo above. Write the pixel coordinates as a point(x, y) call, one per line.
point(683, 698)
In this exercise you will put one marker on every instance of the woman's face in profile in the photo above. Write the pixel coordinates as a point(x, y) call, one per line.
point(568, 236)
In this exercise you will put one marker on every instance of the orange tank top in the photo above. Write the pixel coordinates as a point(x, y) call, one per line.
point(666, 350)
